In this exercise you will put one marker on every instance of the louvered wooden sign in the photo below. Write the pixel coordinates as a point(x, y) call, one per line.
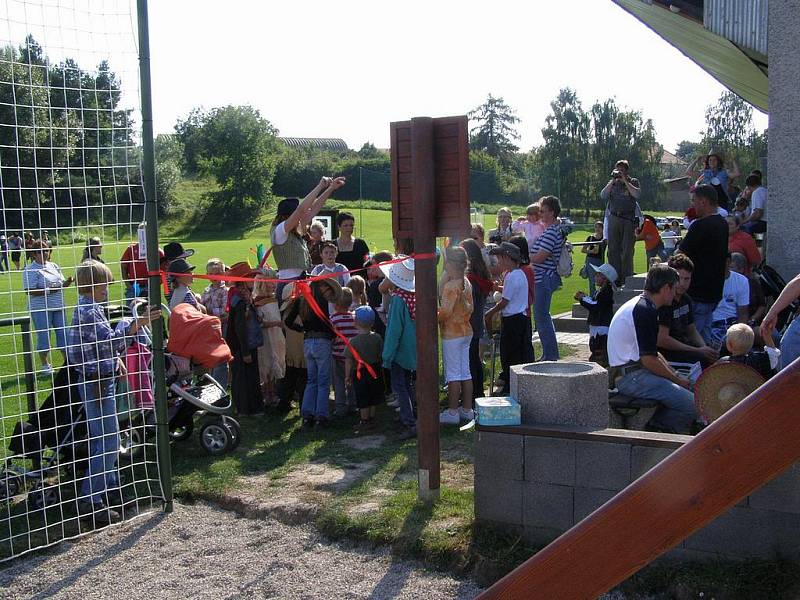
point(451, 177)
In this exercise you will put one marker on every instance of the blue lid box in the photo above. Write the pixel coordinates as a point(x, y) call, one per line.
point(497, 411)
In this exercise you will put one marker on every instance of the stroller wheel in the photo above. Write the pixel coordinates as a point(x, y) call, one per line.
point(9, 486)
point(180, 434)
point(131, 443)
point(216, 438)
point(235, 429)
point(43, 497)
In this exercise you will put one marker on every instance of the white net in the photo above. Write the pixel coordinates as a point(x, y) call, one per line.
point(77, 444)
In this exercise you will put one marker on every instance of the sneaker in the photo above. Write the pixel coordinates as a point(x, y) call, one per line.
point(408, 433)
point(448, 417)
point(466, 415)
point(47, 369)
point(100, 514)
point(393, 403)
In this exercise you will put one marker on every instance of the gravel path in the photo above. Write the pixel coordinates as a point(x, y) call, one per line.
point(201, 551)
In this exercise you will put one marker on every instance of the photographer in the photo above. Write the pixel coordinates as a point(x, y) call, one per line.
point(621, 193)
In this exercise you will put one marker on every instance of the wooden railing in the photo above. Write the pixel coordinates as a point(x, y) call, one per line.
point(738, 453)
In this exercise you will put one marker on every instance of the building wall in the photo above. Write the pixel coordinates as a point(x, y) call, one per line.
point(541, 481)
point(783, 236)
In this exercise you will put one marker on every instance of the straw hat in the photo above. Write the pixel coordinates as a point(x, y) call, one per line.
point(722, 386)
point(401, 273)
point(242, 269)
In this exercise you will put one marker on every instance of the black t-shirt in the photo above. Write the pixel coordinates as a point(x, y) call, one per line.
point(706, 243)
point(601, 248)
point(355, 258)
point(677, 317)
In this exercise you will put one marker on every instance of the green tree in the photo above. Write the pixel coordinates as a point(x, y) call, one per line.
point(168, 155)
point(687, 150)
point(494, 130)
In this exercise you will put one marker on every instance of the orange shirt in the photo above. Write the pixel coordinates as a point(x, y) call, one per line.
point(650, 234)
point(456, 309)
point(745, 244)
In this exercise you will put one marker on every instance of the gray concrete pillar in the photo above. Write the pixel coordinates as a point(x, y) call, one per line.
point(783, 235)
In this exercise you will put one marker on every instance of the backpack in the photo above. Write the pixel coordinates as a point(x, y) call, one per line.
point(564, 267)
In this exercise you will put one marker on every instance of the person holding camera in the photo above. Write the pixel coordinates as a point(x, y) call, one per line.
point(621, 193)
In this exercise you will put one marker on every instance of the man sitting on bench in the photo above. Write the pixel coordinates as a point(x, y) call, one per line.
point(637, 369)
point(678, 338)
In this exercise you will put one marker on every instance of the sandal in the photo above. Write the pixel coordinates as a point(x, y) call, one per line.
point(363, 426)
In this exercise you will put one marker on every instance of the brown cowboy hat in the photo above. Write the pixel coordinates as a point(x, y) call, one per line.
point(722, 386)
point(241, 269)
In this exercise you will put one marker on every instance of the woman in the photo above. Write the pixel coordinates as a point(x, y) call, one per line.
point(93, 250)
point(44, 282)
point(743, 243)
point(503, 231)
point(714, 173)
point(286, 235)
point(29, 250)
point(353, 252)
point(314, 239)
point(481, 281)
point(545, 255)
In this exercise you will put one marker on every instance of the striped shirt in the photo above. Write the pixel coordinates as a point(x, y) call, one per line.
point(552, 241)
point(344, 323)
point(46, 277)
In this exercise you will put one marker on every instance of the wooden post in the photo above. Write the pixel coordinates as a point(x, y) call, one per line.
point(738, 453)
point(427, 390)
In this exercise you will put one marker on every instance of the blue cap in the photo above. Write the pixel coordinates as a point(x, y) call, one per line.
point(364, 315)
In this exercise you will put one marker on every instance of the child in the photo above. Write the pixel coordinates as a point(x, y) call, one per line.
point(244, 337)
point(601, 308)
point(368, 389)
point(329, 251)
point(594, 254)
point(294, 381)
point(454, 320)
point(359, 288)
point(181, 282)
point(215, 299)
point(739, 341)
point(378, 301)
point(514, 338)
point(94, 350)
point(272, 354)
point(400, 344)
point(317, 348)
point(343, 322)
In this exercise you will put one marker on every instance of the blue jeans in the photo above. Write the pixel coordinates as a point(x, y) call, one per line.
point(100, 406)
point(676, 410)
point(790, 344)
point(702, 312)
point(343, 399)
point(44, 320)
point(541, 314)
point(317, 352)
point(404, 394)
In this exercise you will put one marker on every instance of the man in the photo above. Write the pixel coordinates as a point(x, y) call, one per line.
point(756, 215)
point(134, 271)
point(706, 244)
point(621, 193)
point(733, 307)
point(15, 248)
point(637, 369)
point(758, 302)
point(678, 339)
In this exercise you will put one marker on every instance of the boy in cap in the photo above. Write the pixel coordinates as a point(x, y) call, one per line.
point(512, 307)
point(601, 309)
point(368, 389)
point(181, 279)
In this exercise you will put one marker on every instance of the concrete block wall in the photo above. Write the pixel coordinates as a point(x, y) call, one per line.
point(541, 480)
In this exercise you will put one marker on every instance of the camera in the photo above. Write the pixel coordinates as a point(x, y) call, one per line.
point(616, 174)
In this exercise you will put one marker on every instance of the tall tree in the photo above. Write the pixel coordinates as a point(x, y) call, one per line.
point(494, 129)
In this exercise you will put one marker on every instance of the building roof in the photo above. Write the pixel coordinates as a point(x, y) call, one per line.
point(690, 26)
point(668, 158)
point(336, 144)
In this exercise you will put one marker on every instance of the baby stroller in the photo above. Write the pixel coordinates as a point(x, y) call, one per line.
point(196, 346)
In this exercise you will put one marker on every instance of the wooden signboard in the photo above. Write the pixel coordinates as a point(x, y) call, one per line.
point(451, 178)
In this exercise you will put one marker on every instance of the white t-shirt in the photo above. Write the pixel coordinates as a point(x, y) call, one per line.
point(759, 200)
point(668, 237)
point(735, 293)
point(515, 290)
point(279, 237)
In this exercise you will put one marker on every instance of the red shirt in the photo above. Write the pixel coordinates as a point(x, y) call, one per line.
point(745, 244)
point(136, 267)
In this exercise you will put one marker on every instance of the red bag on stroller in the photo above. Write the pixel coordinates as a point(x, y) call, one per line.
point(197, 337)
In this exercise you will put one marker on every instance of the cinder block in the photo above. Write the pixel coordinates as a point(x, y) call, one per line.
point(546, 505)
point(539, 537)
point(602, 465)
point(644, 458)
point(740, 533)
point(588, 500)
point(781, 494)
point(498, 500)
point(499, 455)
point(562, 393)
point(550, 460)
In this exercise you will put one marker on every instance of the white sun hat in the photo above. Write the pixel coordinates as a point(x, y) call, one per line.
point(401, 273)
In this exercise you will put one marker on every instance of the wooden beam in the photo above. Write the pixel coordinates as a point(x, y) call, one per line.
point(737, 454)
point(427, 388)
